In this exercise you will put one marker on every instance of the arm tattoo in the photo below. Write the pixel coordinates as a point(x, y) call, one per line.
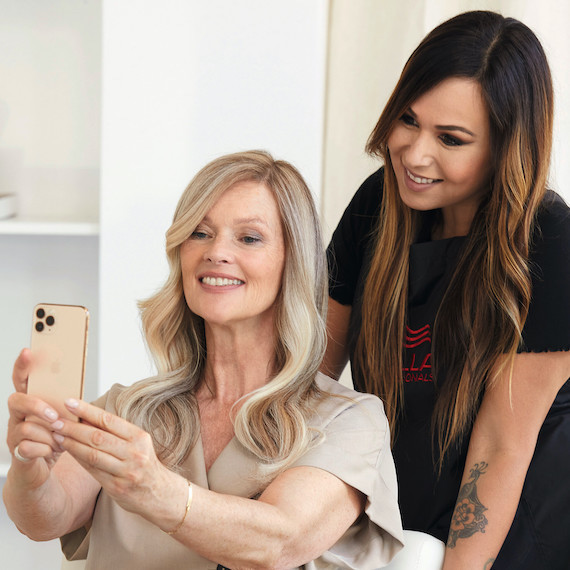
point(489, 564)
point(468, 517)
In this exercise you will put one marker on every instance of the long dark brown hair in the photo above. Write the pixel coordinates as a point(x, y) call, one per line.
point(478, 328)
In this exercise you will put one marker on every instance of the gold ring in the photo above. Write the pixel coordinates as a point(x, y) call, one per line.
point(18, 456)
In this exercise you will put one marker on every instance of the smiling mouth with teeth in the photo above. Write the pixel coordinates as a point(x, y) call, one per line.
point(419, 180)
point(220, 281)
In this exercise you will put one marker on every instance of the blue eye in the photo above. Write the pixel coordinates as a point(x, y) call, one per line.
point(198, 235)
point(251, 239)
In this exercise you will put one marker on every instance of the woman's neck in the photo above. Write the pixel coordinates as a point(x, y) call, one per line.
point(237, 363)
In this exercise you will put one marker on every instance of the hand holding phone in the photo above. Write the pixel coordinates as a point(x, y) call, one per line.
point(59, 352)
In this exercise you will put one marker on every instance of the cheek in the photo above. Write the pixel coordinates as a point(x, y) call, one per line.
point(473, 170)
point(187, 269)
point(399, 138)
point(393, 145)
point(271, 273)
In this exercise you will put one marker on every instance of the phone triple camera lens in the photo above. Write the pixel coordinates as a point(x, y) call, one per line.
point(50, 320)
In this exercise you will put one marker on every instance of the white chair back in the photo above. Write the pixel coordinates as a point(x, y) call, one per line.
point(421, 552)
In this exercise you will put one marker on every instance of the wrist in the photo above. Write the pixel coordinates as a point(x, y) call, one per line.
point(179, 525)
point(29, 476)
point(168, 508)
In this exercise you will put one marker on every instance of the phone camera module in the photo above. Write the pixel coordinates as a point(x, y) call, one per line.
point(40, 313)
point(50, 321)
point(39, 326)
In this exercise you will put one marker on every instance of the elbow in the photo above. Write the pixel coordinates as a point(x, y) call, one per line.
point(517, 446)
point(37, 535)
point(287, 554)
point(280, 553)
point(520, 450)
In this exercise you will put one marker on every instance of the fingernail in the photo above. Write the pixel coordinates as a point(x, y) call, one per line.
point(50, 414)
point(71, 403)
point(57, 425)
point(58, 437)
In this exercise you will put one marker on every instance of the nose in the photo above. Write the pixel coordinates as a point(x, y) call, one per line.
point(218, 251)
point(419, 152)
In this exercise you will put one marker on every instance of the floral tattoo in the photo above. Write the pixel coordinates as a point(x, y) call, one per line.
point(468, 517)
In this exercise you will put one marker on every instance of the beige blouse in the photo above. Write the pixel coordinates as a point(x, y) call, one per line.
point(355, 449)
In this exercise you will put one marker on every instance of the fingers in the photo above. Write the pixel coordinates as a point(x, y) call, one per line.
point(34, 439)
point(82, 434)
point(27, 450)
point(21, 370)
point(103, 442)
point(119, 455)
point(103, 420)
point(22, 406)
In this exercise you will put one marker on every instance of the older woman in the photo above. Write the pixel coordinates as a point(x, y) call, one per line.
point(162, 474)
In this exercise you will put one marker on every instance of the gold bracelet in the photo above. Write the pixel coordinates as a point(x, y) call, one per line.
point(188, 503)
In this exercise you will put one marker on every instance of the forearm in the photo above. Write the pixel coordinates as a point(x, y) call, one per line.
point(48, 503)
point(35, 501)
point(487, 502)
point(299, 516)
point(249, 534)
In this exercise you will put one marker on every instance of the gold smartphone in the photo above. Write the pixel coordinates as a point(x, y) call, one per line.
point(59, 349)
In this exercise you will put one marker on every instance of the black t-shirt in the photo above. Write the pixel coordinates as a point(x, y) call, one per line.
point(539, 535)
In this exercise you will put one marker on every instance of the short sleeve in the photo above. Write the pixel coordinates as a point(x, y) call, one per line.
point(547, 327)
point(356, 449)
point(351, 238)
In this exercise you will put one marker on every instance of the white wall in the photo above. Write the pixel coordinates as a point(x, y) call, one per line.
point(183, 82)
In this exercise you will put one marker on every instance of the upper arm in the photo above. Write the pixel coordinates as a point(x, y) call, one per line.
point(348, 476)
point(346, 255)
point(317, 506)
point(514, 408)
point(336, 356)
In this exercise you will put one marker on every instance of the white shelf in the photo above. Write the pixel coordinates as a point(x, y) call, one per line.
point(19, 226)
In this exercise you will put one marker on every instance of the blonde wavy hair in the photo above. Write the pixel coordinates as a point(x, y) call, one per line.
point(478, 329)
point(272, 422)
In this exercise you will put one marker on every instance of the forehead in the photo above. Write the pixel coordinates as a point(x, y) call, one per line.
point(454, 100)
point(247, 200)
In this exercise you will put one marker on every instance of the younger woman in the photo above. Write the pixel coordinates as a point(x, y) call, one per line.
point(450, 273)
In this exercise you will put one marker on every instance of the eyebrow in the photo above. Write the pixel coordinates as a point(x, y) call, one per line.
point(446, 127)
point(254, 220)
point(249, 220)
point(454, 128)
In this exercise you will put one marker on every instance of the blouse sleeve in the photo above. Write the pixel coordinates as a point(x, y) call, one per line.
point(351, 237)
point(356, 449)
point(547, 327)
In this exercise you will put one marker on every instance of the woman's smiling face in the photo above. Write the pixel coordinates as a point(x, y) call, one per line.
point(232, 263)
point(441, 153)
